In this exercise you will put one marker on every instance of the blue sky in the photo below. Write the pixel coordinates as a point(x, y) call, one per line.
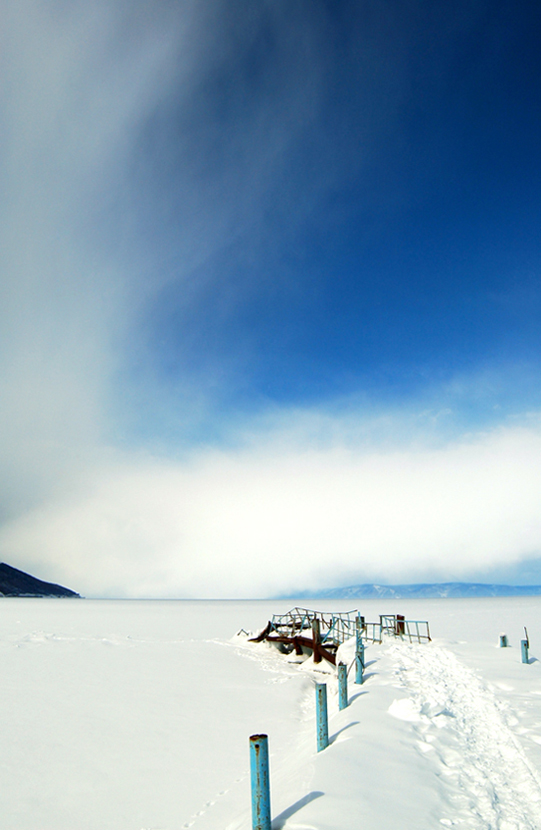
point(397, 243)
point(277, 262)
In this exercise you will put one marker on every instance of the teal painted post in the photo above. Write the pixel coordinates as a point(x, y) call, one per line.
point(503, 641)
point(359, 658)
point(342, 686)
point(524, 651)
point(259, 773)
point(322, 719)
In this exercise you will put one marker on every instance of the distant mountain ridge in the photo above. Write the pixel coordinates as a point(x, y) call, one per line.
point(15, 583)
point(436, 590)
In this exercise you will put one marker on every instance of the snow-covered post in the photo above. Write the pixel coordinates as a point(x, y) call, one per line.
point(524, 651)
point(322, 719)
point(259, 772)
point(503, 641)
point(359, 657)
point(342, 685)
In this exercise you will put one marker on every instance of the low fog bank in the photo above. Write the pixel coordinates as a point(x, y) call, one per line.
point(278, 515)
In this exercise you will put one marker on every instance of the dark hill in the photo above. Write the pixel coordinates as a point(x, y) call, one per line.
point(15, 583)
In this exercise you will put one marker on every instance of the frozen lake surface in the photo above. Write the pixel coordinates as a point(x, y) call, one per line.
point(135, 715)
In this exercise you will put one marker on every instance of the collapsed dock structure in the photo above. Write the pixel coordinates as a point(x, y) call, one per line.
point(321, 633)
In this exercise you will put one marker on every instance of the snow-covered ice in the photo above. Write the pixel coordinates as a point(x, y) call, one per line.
point(135, 715)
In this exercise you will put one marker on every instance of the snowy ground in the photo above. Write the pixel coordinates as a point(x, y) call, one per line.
point(129, 715)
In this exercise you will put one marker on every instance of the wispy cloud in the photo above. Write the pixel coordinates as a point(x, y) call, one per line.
point(116, 181)
point(72, 94)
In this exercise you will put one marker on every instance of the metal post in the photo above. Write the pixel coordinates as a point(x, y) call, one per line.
point(316, 639)
point(358, 668)
point(524, 650)
point(259, 772)
point(503, 641)
point(359, 659)
point(342, 686)
point(322, 720)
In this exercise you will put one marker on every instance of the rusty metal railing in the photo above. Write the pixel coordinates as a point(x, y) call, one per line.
point(395, 625)
point(322, 633)
point(417, 630)
point(334, 628)
point(371, 632)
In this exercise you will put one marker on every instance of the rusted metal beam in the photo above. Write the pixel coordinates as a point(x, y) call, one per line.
point(304, 641)
point(316, 636)
point(263, 635)
point(297, 646)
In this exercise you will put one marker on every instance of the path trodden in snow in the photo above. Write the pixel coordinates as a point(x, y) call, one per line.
point(464, 728)
point(424, 743)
